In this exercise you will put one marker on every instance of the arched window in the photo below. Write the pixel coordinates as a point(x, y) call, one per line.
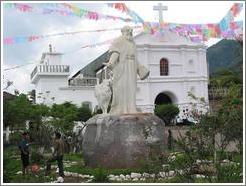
point(164, 67)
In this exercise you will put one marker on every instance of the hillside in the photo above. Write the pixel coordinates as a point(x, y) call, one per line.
point(226, 54)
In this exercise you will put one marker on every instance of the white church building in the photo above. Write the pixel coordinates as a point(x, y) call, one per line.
point(177, 66)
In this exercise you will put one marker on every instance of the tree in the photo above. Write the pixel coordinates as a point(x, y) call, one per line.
point(200, 142)
point(166, 112)
point(231, 114)
point(17, 111)
point(64, 116)
point(225, 78)
point(37, 113)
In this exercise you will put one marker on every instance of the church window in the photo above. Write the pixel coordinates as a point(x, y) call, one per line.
point(191, 61)
point(164, 67)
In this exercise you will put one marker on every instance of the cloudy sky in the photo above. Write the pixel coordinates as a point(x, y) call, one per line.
point(16, 23)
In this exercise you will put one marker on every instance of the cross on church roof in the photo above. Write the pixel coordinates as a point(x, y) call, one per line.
point(160, 9)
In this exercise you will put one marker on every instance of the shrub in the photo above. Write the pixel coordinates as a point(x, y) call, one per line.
point(229, 174)
point(36, 157)
point(84, 113)
point(100, 175)
point(167, 112)
point(15, 138)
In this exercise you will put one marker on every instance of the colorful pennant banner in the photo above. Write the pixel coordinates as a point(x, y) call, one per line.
point(227, 24)
point(119, 6)
point(196, 32)
point(23, 39)
point(65, 53)
point(226, 28)
point(122, 7)
point(72, 11)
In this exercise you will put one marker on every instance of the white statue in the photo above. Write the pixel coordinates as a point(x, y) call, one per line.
point(103, 94)
point(125, 67)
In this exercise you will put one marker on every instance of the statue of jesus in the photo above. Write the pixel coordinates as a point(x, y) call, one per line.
point(123, 62)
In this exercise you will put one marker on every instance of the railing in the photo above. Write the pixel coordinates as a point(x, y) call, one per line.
point(217, 92)
point(50, 68)
point(34, 72)
point(220, 92)
point(85, 81)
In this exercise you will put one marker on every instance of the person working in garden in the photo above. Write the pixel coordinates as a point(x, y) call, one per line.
point(24, 149)
point(57, 155)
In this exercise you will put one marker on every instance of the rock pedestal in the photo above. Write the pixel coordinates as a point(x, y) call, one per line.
point(122, 141)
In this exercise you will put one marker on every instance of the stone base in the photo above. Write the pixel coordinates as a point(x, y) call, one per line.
point(122, 141)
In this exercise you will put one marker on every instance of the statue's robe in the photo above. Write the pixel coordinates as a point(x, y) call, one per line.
point(125, 71)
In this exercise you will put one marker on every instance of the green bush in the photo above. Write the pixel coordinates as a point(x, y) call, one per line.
point(100, 175)
point(15, 138)
point(166, 112)
point(84, 113)
point(36, 157)
point(229, 174)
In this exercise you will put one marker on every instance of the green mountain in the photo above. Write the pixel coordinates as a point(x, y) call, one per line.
point(225, 55)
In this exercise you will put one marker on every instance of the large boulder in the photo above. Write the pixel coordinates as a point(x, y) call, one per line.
point(122, 141)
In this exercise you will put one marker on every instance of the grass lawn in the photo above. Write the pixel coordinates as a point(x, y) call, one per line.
point(74, 163)
point(12, 165)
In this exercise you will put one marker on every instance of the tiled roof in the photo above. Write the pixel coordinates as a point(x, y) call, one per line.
point(91, 69)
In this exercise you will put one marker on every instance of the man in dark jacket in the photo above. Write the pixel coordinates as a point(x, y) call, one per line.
point(24, 148)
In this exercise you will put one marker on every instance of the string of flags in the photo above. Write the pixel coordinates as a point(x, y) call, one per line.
point(71, 10)
point(226, 28)
point(19, 66)
point(69, 52)
point(82, 47)
point(196, 32)
point(123, 8)
point(90, 46)
point(23, 39)
point(93, 45)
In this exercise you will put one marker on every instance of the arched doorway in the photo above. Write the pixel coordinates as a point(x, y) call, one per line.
point(163, 98)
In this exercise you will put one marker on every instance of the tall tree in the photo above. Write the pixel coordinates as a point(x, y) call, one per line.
point(17, 111)
point(64, 116)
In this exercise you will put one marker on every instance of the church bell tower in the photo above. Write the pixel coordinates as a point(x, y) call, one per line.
point(48, 76)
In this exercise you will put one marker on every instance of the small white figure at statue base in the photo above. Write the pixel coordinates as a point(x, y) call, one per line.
point(103, 94)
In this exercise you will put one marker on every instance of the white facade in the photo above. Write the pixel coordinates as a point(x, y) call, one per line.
point(51, 83)
point(187, 71)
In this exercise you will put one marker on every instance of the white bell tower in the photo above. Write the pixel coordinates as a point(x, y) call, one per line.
point(48, 76)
